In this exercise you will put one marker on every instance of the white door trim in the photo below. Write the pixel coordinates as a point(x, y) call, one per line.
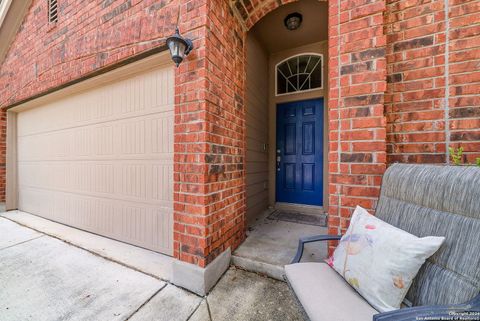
point(11, 191)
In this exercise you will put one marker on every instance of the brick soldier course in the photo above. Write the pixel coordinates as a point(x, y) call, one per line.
point(404, 79)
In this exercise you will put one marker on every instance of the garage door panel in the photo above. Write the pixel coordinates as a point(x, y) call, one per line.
point(36, 201)
point(102, 160)
point(145, 182)
point(137, 224)
point(145, 137)
point(121, 100)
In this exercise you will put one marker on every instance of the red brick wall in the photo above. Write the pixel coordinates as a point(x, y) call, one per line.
point(209, 193)
point(432, 99)
point(88, 36)
point(464, 77)
point(228, 130)
point(368, 120)
point(415, 102)
point(190, 143)
point(91, 36)
point(209, 174)
point(357, 157)
point(212, 220)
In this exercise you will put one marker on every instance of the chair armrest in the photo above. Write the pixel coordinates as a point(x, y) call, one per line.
point(309, 239)
point(437, 312)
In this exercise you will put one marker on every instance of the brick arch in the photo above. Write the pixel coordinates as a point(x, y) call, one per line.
point(252, 11)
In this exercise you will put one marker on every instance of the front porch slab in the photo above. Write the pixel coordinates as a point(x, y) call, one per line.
point(270, 245)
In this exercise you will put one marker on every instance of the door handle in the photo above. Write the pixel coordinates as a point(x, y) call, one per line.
point(279, 159)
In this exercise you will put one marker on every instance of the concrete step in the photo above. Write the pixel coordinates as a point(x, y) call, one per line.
point(274, 271)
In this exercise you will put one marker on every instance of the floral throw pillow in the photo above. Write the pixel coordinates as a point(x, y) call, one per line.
point(379, 260)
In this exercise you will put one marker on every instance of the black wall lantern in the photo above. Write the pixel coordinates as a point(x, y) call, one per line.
point(293, 21)
point(179, 47)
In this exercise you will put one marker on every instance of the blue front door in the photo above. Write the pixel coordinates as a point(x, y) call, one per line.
point(300, 152)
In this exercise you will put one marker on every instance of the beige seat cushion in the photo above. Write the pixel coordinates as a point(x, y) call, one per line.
point(325, 295)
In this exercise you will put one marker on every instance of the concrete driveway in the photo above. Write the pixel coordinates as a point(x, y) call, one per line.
point(43, 278)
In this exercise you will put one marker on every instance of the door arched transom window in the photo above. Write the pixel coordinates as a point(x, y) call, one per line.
point(299, 73)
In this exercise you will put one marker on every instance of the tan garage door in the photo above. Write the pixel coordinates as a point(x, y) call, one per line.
point(102, 160)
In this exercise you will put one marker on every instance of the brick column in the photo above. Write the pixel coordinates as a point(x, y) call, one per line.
point(210, 137)
point(357, 78)
point(190, 143)
point(227, 130)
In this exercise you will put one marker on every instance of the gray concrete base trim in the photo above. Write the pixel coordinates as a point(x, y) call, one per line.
point(273, 271)
point(200, 280)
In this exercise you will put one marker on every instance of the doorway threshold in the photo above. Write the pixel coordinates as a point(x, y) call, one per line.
point(301, 218)
point(300, 208)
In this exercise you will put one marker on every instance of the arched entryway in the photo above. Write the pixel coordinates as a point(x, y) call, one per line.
point(286, 99)
point(286, 114)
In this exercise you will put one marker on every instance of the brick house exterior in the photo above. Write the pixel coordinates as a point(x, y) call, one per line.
point(403, 86)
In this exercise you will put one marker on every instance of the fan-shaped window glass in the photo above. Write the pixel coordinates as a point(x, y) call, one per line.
point(299, 73)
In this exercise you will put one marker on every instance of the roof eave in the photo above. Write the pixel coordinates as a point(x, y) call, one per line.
point(12, 13)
